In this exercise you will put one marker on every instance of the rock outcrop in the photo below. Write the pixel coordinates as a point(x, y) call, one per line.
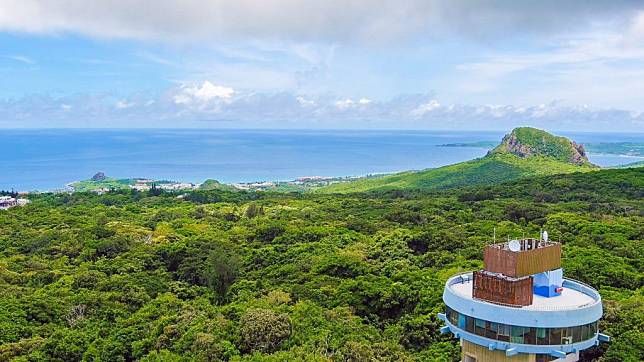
point(100, 176)
point(529, 142)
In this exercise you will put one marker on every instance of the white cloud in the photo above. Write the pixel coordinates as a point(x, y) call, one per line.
point(21, 58)
point(123, 104)
point(604, 66)
point(305, 102)
point(210, 106)
point(425, 108)
point(201, 95)
point(344, 103)
point(350, 103)
point(335, 20)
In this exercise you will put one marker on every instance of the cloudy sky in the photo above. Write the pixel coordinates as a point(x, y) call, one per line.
point(407, 64)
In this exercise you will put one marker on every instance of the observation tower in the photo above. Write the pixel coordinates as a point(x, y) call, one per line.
point(520, 308)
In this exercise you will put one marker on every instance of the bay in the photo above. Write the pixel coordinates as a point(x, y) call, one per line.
point(48, 159)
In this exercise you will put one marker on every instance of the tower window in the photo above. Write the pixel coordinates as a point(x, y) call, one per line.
point(542, 336)
point(517, 334)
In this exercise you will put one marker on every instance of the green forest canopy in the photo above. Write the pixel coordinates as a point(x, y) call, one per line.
point(217, 275)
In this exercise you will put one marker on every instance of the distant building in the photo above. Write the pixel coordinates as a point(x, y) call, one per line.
point(140, 187)
point(177, 186)
point(101, 190)
point(7, 202)
point(313, 178)
point(520, 308)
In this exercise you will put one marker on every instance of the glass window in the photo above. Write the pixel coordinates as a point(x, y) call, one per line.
point(566, 335)
point(586, 332)
point(461, 321)
point(479, 327)
point(555, 335)
point(452, 316)
point(490, 331)
point(469, 324)
point(542, 336)
point(576, 334)
point(520, 334)
point(529, 335)
point(517, 334)
point(504, 332)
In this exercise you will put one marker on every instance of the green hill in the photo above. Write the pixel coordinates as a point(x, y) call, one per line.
point(104, 183)
point(211, 184)
point(527, 142)
point(523, 152)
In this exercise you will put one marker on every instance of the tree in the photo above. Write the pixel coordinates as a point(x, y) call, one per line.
point(263, 330)
point(251, 210)
point(221, 268)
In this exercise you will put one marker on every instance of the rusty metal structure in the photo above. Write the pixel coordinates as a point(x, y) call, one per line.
point(501, 289)
point(535, 256)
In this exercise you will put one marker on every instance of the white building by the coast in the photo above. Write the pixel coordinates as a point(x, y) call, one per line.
point(7, 202)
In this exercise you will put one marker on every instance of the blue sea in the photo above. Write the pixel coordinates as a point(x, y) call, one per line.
point(49, 159)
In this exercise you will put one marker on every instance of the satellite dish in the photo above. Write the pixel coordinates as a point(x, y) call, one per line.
point(514, 245)
point(545, 235)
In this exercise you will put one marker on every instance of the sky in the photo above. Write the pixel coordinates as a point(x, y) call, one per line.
point(360, 64)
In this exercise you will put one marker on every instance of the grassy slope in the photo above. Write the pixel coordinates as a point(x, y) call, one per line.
point(540, 143)
point(549, 155)
point(483, 171)
point(211, 184)
point(108, 183)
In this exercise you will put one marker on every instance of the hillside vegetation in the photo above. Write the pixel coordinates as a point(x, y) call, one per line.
point(522, 153)
point(211, 184)
point(527, 142)
point(244, 276)
point(106, 183)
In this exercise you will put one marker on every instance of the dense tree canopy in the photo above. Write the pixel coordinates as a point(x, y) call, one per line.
point(217, 275)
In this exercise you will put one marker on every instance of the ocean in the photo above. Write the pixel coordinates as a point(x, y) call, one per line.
point(49, 159)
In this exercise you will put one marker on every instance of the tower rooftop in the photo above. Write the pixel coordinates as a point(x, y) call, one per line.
point(569, 299)
point(578, 304)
